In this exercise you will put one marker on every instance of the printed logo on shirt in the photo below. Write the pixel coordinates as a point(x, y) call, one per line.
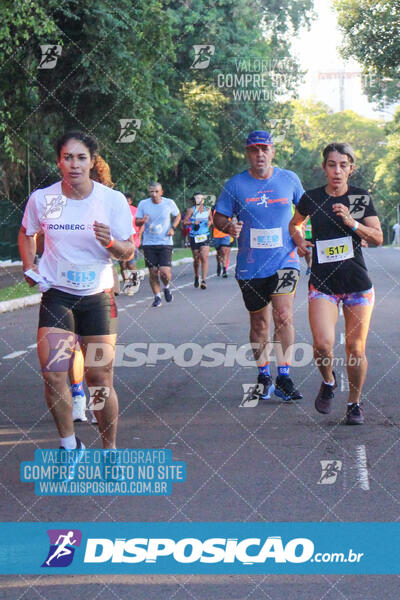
point(67, 226)
point(54, 206)
point(358, 204)
point(265, 200)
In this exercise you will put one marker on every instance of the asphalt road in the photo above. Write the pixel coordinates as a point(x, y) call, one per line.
point(243, 464)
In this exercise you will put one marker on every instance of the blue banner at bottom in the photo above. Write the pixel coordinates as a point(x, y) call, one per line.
point(199, 548)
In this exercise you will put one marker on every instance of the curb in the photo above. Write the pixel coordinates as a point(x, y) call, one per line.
point(9, 305)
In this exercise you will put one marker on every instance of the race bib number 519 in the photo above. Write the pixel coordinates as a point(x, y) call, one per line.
point(266, 238)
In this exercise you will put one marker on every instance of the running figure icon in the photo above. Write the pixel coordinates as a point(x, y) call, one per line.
point(62, 549)
point(65, 347)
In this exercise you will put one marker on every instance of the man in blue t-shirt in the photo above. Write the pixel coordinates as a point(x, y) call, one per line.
point(267, 267)
point(156, 213)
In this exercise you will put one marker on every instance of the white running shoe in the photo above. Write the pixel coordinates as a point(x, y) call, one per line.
point(93, 419)
point(79, 409)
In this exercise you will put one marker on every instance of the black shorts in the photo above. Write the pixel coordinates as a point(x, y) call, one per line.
point(83, 315)
point(157, 256)
point(197, 245)
point(257, 292)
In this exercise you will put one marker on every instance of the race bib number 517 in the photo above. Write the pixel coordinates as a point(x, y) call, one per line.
point(335, 250)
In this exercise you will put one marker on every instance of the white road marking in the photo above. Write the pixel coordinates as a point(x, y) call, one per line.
point(342, 338)
point(340, 310)
point(15, 354)
point(362, 468)
point(344, 383)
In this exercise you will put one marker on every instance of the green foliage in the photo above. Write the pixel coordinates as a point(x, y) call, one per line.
point(134, 60)
point(387, 178)
point(313, 126)
point(371, 29)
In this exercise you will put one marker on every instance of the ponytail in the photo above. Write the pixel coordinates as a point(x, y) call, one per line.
point(101, 171)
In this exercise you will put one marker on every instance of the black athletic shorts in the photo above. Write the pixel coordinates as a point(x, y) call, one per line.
point(83, 315)
point(257, 292)
point(197, 245)
point(157, 256)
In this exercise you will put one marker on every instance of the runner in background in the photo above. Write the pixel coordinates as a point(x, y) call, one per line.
point(185, 232)
point(130, 275)
point(160, 217)
point(396, 235)
point(200, 219)
point(341, 217)
point(222, 243)
point(308, 237)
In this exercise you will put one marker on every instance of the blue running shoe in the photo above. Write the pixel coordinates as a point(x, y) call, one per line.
point(284, 388)
point(266, 381)
point(157, 302)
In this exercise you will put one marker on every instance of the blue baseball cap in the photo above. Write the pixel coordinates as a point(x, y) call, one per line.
point(259, 137)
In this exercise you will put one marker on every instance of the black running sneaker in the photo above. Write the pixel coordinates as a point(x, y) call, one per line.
point(219, 269)
point(168, 295)
point(224, 273)
point(325, 396)
point(266, 381)
point(196, 282)
point(284, 388)
point(354, 415)
point(157, 302)
point(203, 285)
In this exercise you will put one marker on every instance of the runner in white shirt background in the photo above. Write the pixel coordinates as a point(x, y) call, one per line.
point(396, 234)
point(156, 213)
point(84, 224)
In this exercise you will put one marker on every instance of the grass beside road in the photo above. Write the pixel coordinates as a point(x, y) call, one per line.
point(21, 289)
point(177, 254)
point(18, 290)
